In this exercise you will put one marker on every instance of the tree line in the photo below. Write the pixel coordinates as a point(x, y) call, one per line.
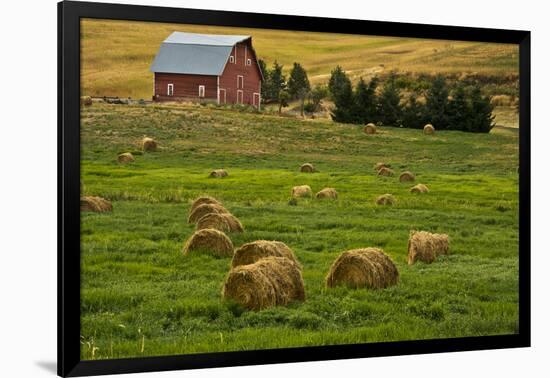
point(462, 107)
point(459, 108)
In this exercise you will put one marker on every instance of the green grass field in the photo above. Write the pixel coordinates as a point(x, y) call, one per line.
point(142, 297)
point(116, 55)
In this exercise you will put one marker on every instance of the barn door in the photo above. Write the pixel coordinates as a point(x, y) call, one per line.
point(222, 96)
point(170, 90)
point(256, 100)
point(239, 97)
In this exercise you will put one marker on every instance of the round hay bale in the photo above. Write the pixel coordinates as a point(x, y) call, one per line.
point(251, 252)
point(385, 199)
point(95, 204)
point(271, 281)
point(419, 188)
point(380, 165)
point(202, 200)
point(327, 193)
point(209, 240)
point(385, 171)
point(85, 100)
point(425, 246)
point(225, 222)
point(301, 191)
point(202, 210)
point(407, 177)
point(307, 168)
point(218, 173)
point(365, 267)
point(126, 157)
point(149, 144)
point(429, 129)
point(234, 224)
point(370, 128)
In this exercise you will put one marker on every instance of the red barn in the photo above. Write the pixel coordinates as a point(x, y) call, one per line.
point(207, 67)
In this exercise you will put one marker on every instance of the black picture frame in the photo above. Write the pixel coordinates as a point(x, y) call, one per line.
point(69, 15)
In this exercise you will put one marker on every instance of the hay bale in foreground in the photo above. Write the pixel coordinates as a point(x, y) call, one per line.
point(85, 100)
point(370, 128)
point(307, 168)
point(149, 144)
point(251, 252)
point(425, 246)
point(407, 177)
point(126, 157)
point(381, 165)
point(271, 281)
point(202, 200)
point(365, 267)
point(385, 199)
point(429, 129)
point(301, 191)
point(419, 188)
point(206, 208)
point(327, 193)
point(218, 173)
point(385, 171)
point(225, 222)
point(209, 240)
point(95, 204)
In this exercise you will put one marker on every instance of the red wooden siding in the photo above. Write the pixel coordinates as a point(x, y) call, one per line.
point(251, 82)
point(185, 86)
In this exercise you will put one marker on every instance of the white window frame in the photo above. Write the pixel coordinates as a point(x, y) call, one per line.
point(249, 62)
point(203, 90)
point(242, 96)
point(170, 90)
point(242, 78)
point(231, 59)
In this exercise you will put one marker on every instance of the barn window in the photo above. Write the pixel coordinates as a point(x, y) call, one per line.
point(231, 59)
point(249, 62)
point(201, 90)
point(170, 90)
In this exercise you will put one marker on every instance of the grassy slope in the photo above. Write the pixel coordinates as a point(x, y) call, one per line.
point(116, 55)
point(140, 296)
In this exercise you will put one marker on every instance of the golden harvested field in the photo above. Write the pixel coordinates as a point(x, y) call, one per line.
point(116, 55)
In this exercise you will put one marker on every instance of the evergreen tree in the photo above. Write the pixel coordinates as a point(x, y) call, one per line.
point(437, 103)
point(298, 83)
point(266, 83)
point(459, 110)
point(342, 96)
point(276, 82)
point(481, 116)
point(389, 109)
point(365, 101)
point(337, 82)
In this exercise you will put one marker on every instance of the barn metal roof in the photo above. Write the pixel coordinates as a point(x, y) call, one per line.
point(205, 39)
point(197, 54)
